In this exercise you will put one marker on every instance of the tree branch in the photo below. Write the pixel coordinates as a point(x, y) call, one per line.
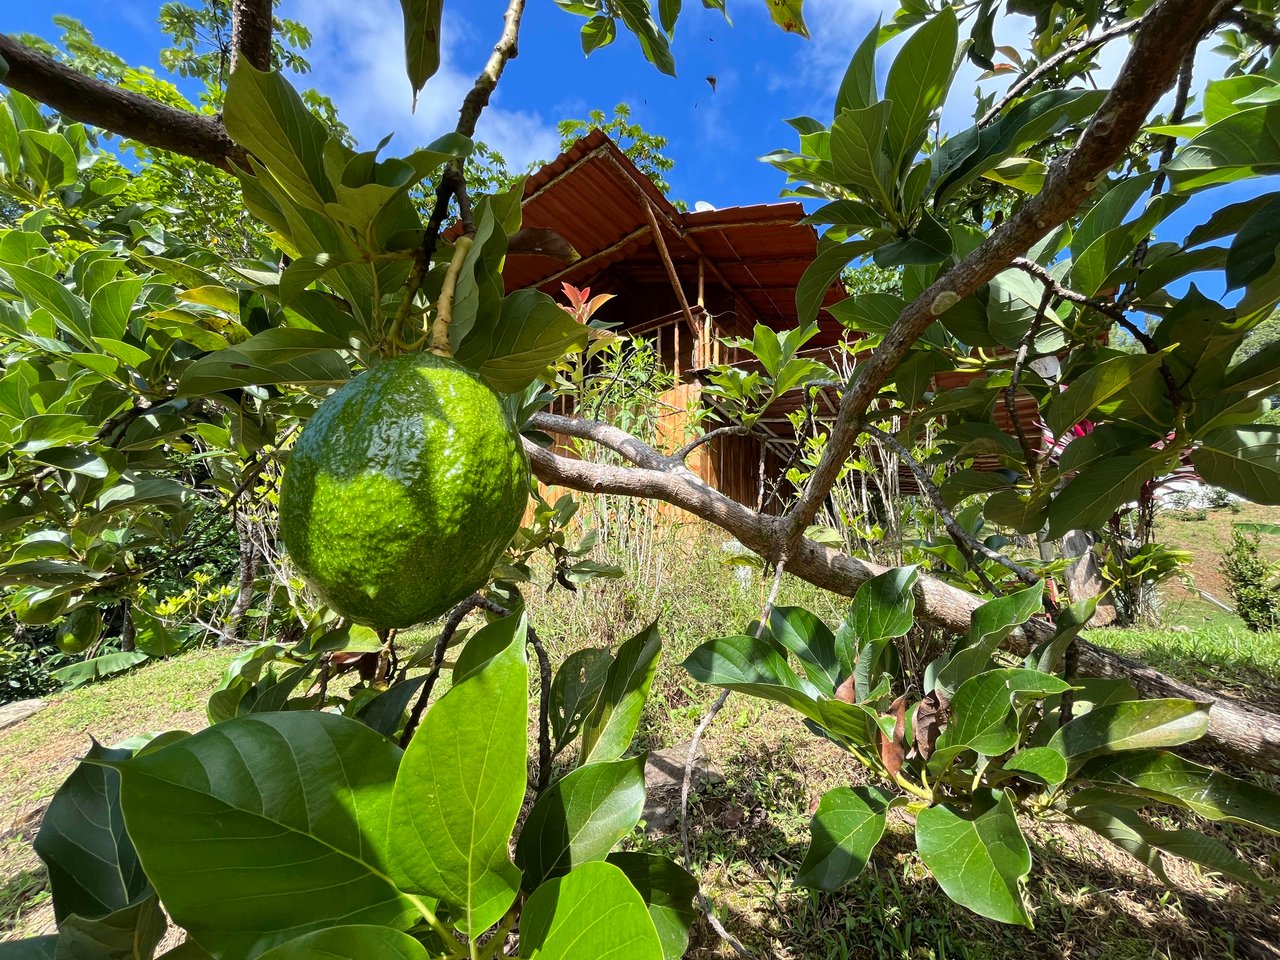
point(1066, 53)
point(122, 112)
point(251, 29)
point(1260, 30)
point(1249, 735)
point(733, 430)
point(1162, 39)
point(968, 544)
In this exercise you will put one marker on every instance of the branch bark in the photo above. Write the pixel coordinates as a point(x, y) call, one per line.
point(1167, 31)
point(1237, 730)
point(128, 114)
point(251, 29)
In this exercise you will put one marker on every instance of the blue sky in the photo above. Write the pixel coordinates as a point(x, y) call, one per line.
point(762, 77)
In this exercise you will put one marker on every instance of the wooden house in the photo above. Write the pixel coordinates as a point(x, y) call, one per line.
point(684, 281)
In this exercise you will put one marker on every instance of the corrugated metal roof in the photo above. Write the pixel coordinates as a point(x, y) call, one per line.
point(594, 196)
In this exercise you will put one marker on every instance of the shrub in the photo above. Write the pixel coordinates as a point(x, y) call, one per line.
point(1252, 583)
point(24, 671)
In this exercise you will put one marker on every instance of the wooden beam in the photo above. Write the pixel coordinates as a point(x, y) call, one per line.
point(667, 262)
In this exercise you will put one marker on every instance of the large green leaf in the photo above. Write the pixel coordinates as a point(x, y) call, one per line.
point(459, 790)
point(980, 860)
point(845, 829)
point(884, 606)
point(1130, 832)
point(983, 715)
point(514, 348)
point(789, 15)
point(1131, 725)
point(1094, 387)
point(811, 641)
point(608, 731)
point(238, 806)
point(1099, 490)
point(1253, 249)
point(669, 891)
point(822, 272)
point(279, 355)
point(1244, 460)
point(421, 40)
point(355, 942)
point(93, 867)
point(47, 158)
point(581, 818)
point(592, 913)
point(857, 151)
point(858, 88)
point(1244, 144)
point(917, 84)
point(752, 667)
point(265, 115)
point(1169, 778)
point(131, 933)
point(989, 625)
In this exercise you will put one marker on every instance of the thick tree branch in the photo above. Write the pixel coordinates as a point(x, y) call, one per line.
point(130, 115)
point(1167, 31)
point(1249, 735)
point(1262, 30)
point(251, 28)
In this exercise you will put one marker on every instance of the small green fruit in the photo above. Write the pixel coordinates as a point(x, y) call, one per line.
point(79, 631)
point(403, 490)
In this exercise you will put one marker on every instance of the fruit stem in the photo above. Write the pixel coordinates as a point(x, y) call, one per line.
point(444, 306)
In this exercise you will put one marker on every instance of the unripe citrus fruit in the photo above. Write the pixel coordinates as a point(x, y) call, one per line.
point(79, 631)
point(403, 491)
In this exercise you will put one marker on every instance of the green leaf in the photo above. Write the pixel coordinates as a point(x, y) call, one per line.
point(355, 942)
point(599, 31)
point(979, 860)
point(93, 867)
point(929, 243)
point(237, 805)
point(518, 346)
point(1253, 250)
point(86, 671)
point(32, 948)
point(608, 731)
point(1242, 145)
point(1244, 460)
point(668, 890)
point(1095, 387)
point(459, 790)
point(988, 627)
point(592, 913)
point(1168, 778)
point(1068, 623)
point(574, 692)
point(918, 82)
point(789, 15)
point(811, 641)
point(1020, 512)
point(47, 159)
point(153, 638)
point(1127, 830)
point(131, 933)
point(983, 715)
point(884, 606)
point(752, 667)
point(970, 482)
point(653, 42)
point(265, 115)
point(858, 88)
point(857, 150)
point(845, 829)
point(1088, 501)
point(1040, 763)
point(279, 355)
point(820, 274)
point(581, 818)
point(421, 41)
point(1131, 725)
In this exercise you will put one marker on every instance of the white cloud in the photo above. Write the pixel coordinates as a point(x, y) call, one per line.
point(357, 59)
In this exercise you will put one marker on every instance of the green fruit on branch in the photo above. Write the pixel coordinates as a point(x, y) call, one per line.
point(403, 490)
point(79, 631)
